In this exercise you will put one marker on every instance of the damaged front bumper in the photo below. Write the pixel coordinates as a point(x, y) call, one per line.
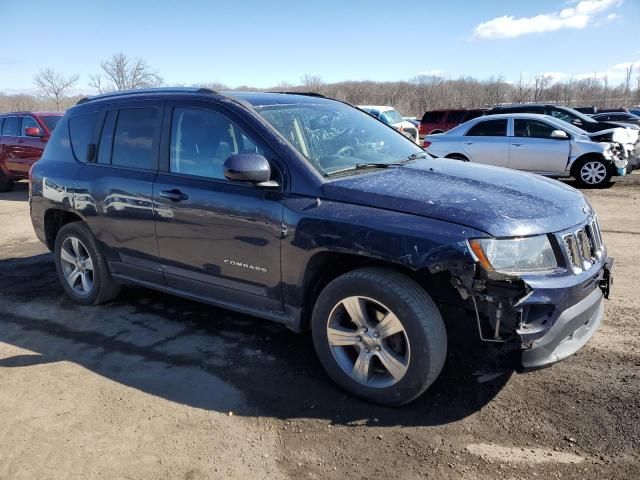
point(573, 326)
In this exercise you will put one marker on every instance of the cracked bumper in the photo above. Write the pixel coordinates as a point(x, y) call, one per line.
point(571, 331)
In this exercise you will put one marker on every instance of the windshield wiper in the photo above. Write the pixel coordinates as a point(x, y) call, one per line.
point(410, 158)
point(361, 166)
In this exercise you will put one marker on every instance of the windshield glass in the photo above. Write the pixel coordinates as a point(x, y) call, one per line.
point(569, 114)
point(392, 116)
point(51, 121)
point(569, 126)
point(334, 136)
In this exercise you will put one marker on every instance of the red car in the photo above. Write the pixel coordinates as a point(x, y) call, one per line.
point(23, 136)
point(440, 121)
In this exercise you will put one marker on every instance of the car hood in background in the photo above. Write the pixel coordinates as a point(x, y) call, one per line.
point(498, 201)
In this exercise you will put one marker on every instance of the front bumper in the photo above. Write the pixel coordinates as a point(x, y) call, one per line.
point(573, 327)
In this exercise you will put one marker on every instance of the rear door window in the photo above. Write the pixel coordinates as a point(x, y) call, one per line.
point(81, 131)
point(489, 128)
point(432, 117)
point(11, 126)
point(455, 117)
point(133, 141)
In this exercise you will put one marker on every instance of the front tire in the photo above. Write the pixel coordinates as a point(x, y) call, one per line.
point(81, 268)
point(379, 335)
point(592, 172)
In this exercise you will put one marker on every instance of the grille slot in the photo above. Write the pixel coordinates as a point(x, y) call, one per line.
point(571, 247)
point(583, 247)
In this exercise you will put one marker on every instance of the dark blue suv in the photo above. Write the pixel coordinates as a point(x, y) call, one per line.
point(307, 211)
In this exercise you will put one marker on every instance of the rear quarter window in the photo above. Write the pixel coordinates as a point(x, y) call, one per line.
point(81, 131)
point(432, 117)
point(59, 146)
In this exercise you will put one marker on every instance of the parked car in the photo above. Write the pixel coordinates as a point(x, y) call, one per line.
point(629, 137)
point(617, 117)
point(440, 121)
point(534, 143)
point(23, 136)
point(587, 110)
point(392, 117)
point(635, 111)
point(309, 212)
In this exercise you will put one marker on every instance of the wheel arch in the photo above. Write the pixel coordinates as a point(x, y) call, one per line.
point(54, 220)
point(586, 157)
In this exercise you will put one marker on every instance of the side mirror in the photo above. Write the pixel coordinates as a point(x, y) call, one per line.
point(249, 167)
point(559, 135)
point(33, 132)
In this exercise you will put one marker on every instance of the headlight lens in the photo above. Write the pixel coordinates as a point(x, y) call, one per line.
point(528, 254)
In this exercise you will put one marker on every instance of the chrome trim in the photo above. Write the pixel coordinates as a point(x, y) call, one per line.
point(583, 247)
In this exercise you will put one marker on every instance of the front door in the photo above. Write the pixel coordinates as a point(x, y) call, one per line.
point(216, 238)
point(534, 150)
point(27, 149)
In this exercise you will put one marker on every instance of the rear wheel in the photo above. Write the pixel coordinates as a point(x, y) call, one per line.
point(6, 184)
point(379, 335)
point(592, 173)
point(81, 268)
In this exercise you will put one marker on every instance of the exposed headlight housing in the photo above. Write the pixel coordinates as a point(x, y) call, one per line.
point(515, 255)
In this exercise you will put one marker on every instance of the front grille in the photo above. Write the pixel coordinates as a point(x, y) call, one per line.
point(584, 246)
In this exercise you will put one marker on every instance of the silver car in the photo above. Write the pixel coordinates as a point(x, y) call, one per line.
point(534, 143)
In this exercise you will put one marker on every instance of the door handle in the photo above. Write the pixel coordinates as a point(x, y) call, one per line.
point(19, 141)
point(516, 144)
point(468, 143)
point(174, 195)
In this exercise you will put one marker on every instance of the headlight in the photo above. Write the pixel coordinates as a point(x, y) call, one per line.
point(509, 255)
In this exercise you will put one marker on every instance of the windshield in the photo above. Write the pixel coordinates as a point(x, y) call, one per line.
point(51, 121)
point(392, 116)
point(334, 136)
point(568, 114)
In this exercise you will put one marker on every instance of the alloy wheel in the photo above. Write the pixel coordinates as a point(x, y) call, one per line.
point(593, 173)
point(77, 266)
point(368, 341)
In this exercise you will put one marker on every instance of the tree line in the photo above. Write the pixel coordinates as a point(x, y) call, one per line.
point(411, 97)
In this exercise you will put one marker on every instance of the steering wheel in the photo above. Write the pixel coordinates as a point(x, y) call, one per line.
point(346, 151)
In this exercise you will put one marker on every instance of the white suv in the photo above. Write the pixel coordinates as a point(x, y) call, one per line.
point(391, 116)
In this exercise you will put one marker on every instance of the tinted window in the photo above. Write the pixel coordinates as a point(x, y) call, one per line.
point(11, 126)
point(532, 129)
point(51, 122)
point(432, 117)
point(28, 122)
point(201, 141)
point(489, 128)
point(106, 138)
point(81, 130)
point(456, 117)
point(133, 138)
point(562, 115)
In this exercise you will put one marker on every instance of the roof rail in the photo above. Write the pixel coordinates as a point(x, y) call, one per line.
point(141, 91)
point(307, 94)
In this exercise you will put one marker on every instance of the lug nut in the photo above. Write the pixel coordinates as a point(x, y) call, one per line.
point(365, 329)
point(366, 350)
point(376, 334)
point(377, 348)
point(359, 338)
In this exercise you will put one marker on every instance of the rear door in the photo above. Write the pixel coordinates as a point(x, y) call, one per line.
point(487, 142)
point(114, 189)
point(216, 238)
point(532, 149)
point(8, 143)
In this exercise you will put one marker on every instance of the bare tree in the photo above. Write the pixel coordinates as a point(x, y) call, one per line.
point(312, 83)
point(52, 84)
point(123, 73)
point(627, 82)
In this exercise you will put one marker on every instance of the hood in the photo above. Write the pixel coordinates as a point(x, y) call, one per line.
point(498, 201)
point(597, 127)
point(617, 135)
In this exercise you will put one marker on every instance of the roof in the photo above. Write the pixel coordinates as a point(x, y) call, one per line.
point(382, 108)
point(258, 99)
point(29, 112)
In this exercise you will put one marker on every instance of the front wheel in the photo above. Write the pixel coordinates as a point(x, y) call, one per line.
point(592, 173)
point(379, 335)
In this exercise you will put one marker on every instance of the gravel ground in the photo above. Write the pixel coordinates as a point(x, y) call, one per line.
point(153, 386)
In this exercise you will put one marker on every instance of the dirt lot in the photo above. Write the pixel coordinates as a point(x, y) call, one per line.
point(152, 386)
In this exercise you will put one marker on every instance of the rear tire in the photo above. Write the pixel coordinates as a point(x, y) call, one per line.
point(81, 268)
point(379, 335)
point(592, 172)
point(6, 184)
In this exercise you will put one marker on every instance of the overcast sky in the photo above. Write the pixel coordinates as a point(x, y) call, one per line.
point(263, 43)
